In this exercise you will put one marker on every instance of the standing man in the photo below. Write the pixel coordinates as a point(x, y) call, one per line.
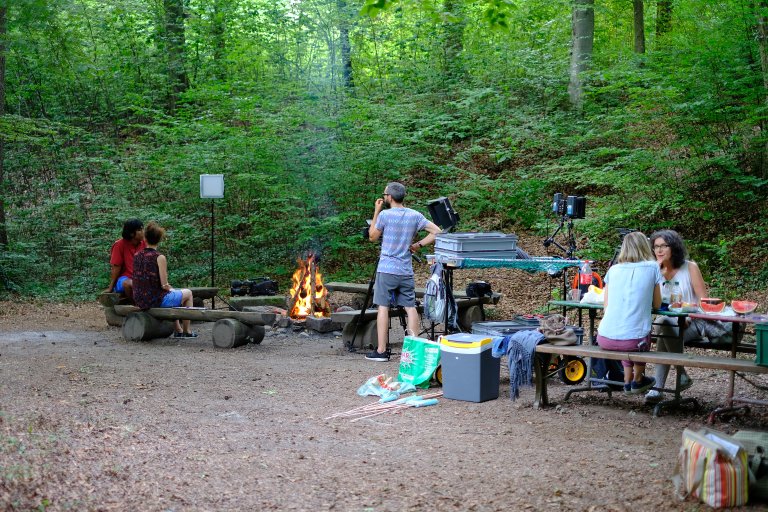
point(121, 258)
point(397, 227)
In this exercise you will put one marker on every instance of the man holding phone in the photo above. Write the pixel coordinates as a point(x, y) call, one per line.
point(396, 226)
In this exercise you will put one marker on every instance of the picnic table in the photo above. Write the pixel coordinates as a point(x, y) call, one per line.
point(735, 347)
point(361, 325)
point(534, 264)
point(738, 322)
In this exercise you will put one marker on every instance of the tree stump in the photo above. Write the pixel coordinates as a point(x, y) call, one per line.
point(230, 333)
point(367, 336)
point(469, 316)
point(140, 326)
point(113, 318)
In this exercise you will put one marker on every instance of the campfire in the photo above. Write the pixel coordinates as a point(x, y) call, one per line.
point(308, 295)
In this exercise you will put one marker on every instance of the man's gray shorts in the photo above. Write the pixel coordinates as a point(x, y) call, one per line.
point(403, 287)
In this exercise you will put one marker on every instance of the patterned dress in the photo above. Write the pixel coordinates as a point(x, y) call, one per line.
point(147, 292)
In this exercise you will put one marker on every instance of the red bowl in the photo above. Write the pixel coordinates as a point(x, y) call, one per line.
point(743, 307)
point(711, 304)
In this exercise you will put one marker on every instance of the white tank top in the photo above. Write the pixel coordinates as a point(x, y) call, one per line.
point(683, 277)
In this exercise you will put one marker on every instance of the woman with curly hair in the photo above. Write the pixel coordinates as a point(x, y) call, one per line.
point(671, 255)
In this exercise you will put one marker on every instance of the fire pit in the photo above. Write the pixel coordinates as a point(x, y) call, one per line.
point(308, 297)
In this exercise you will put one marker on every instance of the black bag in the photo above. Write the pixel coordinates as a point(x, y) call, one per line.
point(479, 289)
point(263, 286)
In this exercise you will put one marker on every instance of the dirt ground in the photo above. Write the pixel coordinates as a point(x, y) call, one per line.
point(91, 422)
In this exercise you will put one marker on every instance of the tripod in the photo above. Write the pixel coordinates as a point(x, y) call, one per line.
point(565, 220)
point(400, 310)
point(622, 233)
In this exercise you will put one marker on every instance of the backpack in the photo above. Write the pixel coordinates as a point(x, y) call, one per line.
point(435, 295)
point(756, 444)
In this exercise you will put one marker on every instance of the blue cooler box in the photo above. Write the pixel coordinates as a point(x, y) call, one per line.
point(470, 372)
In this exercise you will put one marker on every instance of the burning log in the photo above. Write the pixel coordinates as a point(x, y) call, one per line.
point(296, 290)
point(308, 294)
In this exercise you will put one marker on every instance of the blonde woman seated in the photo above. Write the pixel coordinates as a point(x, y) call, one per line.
point(632, 289)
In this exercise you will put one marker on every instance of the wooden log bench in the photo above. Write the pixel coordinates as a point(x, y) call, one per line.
point(685, 359)
point(469, 311)
point(110, 299)
point(232, 328)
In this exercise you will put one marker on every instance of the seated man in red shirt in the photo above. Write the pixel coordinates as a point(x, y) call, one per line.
point(121, 259)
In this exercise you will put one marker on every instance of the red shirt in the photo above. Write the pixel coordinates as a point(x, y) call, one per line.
point(122, 254)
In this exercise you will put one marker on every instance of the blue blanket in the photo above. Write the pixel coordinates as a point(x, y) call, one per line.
point(520, 349)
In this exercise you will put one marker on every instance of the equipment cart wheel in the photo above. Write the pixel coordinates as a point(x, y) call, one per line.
point(573, 370)
point(439, 375)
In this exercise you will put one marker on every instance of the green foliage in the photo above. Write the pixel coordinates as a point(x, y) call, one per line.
point(675, 138)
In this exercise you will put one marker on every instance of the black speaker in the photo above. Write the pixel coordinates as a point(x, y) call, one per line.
point(576, 207)
point(443, 214)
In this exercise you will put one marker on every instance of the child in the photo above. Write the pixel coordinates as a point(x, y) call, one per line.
point(632, 289)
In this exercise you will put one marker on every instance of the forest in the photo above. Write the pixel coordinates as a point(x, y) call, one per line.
point(654, 110)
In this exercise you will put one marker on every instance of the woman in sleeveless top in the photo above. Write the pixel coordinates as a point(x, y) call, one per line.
point(669, 248)
point(150, 281)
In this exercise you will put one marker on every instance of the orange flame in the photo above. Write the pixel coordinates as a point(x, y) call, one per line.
point(307, 302)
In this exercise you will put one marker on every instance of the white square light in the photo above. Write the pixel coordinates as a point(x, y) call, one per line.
point(211, 186)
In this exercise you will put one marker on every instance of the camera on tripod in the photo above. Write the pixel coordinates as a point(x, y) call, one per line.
point(253, 287)
point(569, 206)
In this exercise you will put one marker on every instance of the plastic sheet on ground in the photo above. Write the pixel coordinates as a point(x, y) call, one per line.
point(385, 387)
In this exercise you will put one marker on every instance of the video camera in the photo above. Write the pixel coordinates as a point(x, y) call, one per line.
point(569, 206)
point(253, 287)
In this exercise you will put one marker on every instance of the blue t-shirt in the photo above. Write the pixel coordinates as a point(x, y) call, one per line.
point(630, 300)
point(398, 226)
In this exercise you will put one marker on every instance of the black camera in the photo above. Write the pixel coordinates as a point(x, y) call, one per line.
point(254, 287)
point(569, 206)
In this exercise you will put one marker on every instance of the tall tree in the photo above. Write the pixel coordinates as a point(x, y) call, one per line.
point(453, 40)
point(663, 19)
point(762, 43)
point(175, 42)
point(639, 26)
point(346, 48)
point(3, 226)
point(582, 40)
point(218, 34)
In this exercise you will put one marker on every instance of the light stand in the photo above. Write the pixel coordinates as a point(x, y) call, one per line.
point(212, 187)
point(570, 238)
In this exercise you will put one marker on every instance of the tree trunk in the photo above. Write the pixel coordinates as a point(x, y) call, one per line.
point(229, 333)
point(583, 33)
point(453, 39)
point(663, 19)
point(346, 48)
point(175, 42)
point(762, 43)
point(639, 26)
point(3, 225)
point(218, 34)
point(140, 326)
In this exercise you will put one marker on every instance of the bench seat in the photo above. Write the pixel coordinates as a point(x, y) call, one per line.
point(363, 289)
point(232, 328)
point(684, 359)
